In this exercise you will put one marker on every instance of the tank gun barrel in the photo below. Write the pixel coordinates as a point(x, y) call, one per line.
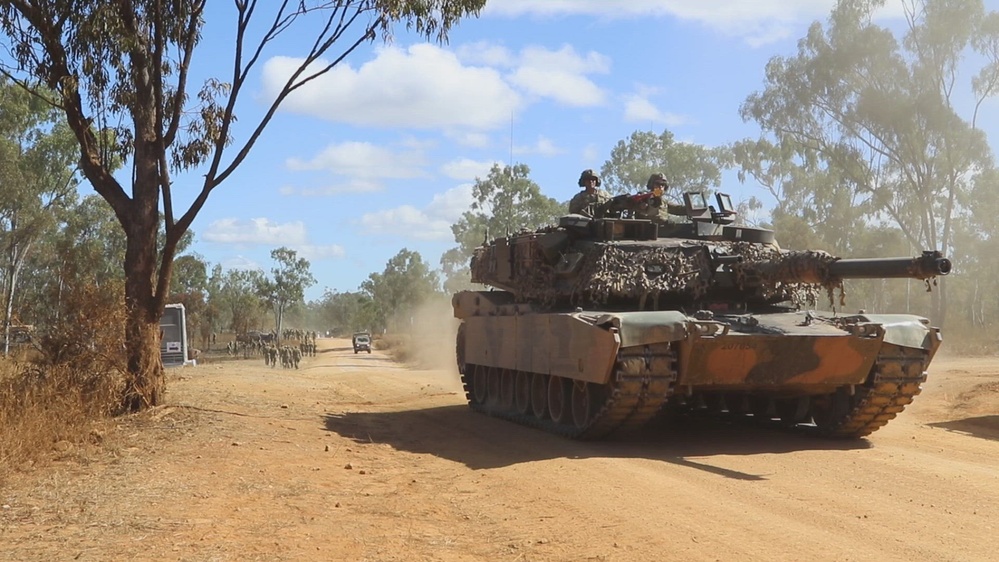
point(822, 268)
point(930, 264)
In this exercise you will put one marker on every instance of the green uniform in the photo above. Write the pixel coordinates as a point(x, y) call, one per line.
point(658, 210)
point(584, 203)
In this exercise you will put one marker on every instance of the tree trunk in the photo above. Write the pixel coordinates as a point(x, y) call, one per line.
point(15, 263)
point(147, 383)
point(143, 309)
point(142, 328)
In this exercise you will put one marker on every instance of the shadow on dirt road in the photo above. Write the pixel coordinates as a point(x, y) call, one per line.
point(481, 442)
point(984, 427)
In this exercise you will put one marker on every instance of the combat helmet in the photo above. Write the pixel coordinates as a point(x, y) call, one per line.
point(657, 179)
point(586, 176)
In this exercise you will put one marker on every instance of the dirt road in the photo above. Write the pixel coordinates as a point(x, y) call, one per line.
point(353, 457)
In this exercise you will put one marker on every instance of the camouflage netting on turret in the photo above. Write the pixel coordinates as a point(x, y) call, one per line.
point(645, 273)
point(636, 272)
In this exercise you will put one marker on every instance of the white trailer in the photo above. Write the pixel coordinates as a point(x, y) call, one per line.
point(173, 336)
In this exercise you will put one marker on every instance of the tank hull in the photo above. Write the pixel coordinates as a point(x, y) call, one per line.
point(587, 374)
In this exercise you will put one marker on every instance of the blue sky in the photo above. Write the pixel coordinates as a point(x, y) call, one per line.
point(381, 153)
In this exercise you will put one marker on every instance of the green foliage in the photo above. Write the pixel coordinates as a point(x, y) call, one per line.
point(687, 167)
point(38, 176)
point(346, 312)
point(120, 73)
point(506, 201)
point(395, 293)
point(189, 286)
point(865, 129)
point(235, 300)
point(286, 287)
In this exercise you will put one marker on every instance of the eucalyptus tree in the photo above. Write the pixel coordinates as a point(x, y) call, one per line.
point(406, 282)
point(189, 286)
point(124, 67)
point(234, 295)
point(892, 122)
point(346, 312)
point(687, 166)
point(37, 176)
point(286, 287)
point(503, 202)
point(85, 248)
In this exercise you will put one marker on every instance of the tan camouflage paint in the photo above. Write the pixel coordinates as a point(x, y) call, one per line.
point(773, 360)
point(551, 344)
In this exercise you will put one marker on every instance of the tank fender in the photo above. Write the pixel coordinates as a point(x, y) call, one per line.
point(646, 327)
point(569, 345)
point(907, 330)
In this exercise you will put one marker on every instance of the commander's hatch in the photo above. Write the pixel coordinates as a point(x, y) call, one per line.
point(726, 212)
point(703, 215)
point(697, 206)
point(708, 221)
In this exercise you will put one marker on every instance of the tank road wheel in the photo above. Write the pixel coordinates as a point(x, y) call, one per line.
point(793, 411)
point(494, 379)
point(459, 349)
point(522, 392)
point(829, 411)
point(480, 392)
point(539, 395)
point(506, 390)
point(716, 403)
point(560, 399)
point(763, 408)
point(584, 405)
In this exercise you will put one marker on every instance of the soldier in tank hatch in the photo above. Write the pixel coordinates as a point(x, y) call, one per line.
point(654, 208)
point(586, 201)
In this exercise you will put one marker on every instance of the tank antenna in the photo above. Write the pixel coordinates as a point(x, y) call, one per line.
point(511, 139)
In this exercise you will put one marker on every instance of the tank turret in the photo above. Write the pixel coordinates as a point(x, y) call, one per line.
point(707, 313)
point(634, 264)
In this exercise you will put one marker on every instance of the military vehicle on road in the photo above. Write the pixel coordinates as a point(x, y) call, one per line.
point(600, 324)
point(361, 342)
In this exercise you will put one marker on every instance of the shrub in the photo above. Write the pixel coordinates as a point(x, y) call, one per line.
point(72, 377)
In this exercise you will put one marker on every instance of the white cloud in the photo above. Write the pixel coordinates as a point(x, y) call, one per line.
point(467, 169)
point(364, 160)
point(405, 221)
point(261, 232)
point(432, 223)
point(759, 22)
point(255, 231)
point(451, 204)
point(483, 52)
point(349, 185)
point(422, 86)
point(468, 139)
point(543, 146)
point(240, 262)
point(638, 109)
point(561, 75)
point(316, 253)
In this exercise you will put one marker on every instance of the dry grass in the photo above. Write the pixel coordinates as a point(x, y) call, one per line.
point(54, 394)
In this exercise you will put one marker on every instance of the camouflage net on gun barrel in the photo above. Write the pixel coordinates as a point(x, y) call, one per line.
point(799, 273)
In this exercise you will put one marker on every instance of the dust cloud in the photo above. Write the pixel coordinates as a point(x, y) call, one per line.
point(432, 332)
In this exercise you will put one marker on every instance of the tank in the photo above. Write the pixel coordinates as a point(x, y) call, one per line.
point(598, 325)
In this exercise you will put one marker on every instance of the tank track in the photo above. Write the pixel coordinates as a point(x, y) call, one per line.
point(894, 381)
point(642, 383)
point(644, 379)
